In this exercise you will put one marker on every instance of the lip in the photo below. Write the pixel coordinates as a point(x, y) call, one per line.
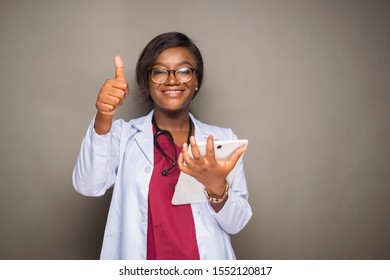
point(173, 92)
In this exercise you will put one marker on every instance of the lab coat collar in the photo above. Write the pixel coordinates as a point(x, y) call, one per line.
point(202, 131)
point(145, 137)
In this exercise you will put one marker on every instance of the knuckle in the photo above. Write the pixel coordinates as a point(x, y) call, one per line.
point(107, 83)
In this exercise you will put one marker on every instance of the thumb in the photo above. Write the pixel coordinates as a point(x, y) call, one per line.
point(119, 69)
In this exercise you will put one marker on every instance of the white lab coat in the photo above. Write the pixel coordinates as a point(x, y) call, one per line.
point(124, 158)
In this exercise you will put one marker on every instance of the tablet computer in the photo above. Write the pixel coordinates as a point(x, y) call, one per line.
point(188, 189)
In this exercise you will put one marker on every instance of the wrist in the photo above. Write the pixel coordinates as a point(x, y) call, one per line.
point(216, 189)
point(217, 198)
point(103, 123)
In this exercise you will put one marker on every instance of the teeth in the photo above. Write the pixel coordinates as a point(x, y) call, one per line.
point(173, 91)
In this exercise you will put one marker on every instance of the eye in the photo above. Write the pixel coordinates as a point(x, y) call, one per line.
point(184, 71)
point(159, 72)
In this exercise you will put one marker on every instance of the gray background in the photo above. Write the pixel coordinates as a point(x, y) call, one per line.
point(307, 82)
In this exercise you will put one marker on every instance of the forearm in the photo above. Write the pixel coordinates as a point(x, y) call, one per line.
point(94, 172)
point(234, 214)
point(103, 123)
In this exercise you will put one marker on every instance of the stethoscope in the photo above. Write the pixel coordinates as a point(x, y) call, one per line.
point(160, 132)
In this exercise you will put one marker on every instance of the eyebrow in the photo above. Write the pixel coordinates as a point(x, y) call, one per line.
point(181, 63)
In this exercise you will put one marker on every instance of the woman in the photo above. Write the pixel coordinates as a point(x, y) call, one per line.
point(139, 158)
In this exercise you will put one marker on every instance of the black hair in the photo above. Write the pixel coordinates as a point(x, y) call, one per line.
point(154, 48)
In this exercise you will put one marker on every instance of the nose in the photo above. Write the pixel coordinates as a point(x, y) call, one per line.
point(171, 79)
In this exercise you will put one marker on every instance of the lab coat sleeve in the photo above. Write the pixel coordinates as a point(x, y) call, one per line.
point(236, 212)
point(97, 162)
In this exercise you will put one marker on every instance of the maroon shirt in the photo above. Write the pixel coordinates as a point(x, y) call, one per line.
point(171, 229)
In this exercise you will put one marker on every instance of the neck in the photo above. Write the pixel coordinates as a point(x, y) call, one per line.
point(177, 121)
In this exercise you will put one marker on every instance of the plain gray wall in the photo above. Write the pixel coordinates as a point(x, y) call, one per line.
point(307, 82)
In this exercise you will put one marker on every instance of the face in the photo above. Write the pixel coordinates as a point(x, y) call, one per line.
point(173, 96)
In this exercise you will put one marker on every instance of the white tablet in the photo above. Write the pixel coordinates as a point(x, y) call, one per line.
point(188, 189)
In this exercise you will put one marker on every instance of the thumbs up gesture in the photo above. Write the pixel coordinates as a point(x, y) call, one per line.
point(114, 91)
point(112, 94)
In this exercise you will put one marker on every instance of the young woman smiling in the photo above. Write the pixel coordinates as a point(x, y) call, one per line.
point(142, 160)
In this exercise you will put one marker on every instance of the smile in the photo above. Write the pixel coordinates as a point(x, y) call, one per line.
point(173, 92)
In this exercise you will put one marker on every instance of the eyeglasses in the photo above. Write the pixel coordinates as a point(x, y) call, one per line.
point(182, 75)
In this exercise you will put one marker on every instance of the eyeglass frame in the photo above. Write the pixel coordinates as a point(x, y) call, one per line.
point(174, 74)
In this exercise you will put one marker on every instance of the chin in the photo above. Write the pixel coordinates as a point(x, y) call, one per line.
point(173, 108)
point(172, 104)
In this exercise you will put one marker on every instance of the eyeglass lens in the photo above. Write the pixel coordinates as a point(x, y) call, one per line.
point(182, 75)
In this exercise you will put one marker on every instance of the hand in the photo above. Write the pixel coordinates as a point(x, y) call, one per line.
point(206, 169)
point(113, 92)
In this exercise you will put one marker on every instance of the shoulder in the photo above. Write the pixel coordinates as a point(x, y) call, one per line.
point(137, 124)
point(203, 130)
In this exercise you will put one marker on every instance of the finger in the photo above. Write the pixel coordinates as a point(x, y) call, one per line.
point(119, 84)
point(186, 156)
point(180, 163)
point(236, 156)
point(194, 148)
point(119, 68)
point(111, 92)
point(111, 100)
point(117, 93)
point(105, 109)
point(210, 154)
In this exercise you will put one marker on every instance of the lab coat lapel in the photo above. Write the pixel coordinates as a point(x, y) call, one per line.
point(144, 138)
point(201, 131)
